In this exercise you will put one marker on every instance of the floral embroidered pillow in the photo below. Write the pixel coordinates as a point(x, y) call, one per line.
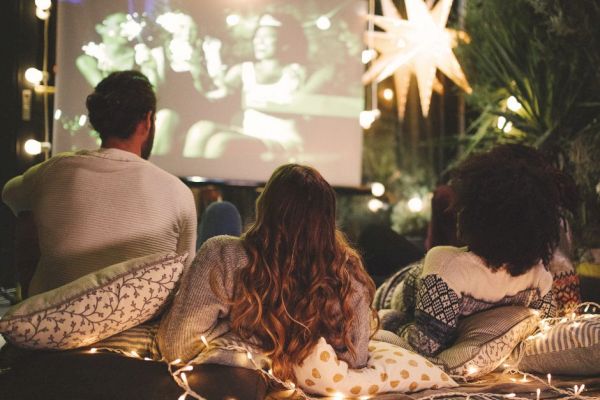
point(95, 306)
point(389, 369)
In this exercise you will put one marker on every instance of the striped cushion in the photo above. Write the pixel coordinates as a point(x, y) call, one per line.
point(568, 348)
point(139, 340)
point(486, 339)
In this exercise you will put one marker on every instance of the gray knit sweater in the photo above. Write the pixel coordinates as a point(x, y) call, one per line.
point(201, 309)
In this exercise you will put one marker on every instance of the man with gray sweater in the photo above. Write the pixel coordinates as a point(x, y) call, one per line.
point(92, 209)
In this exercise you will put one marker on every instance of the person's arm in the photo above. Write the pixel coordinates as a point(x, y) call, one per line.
point(27, 251)
point(200, 307)
point(188, 224)
point(437, 309)
point(361, 329)
point(19, 192)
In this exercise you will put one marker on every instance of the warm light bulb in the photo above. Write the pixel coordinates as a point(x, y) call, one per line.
point(323, 23)
point(377, 189)
point(472, 370)
point(388, 94)
point(43, 4)
point(513, 104)
point(34, 75)
point(367, 55)
point(33, 147)
point(415, 204)
point(42, 14)
point(501, 122)
point(202, 337)
point(375, 205)
point(82, 120)
point(367, 117)
point(232, 19)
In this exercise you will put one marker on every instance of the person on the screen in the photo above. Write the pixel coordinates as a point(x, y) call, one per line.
point(96, 208)
point(289, 280)
point(273, 78)
point(118, 51)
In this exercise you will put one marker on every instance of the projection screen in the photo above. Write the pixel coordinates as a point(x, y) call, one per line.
point(243, 86)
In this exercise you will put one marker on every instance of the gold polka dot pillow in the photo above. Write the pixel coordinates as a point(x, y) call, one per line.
point(389, 369)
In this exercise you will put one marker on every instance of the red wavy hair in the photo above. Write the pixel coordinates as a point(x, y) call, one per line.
point(297, 286)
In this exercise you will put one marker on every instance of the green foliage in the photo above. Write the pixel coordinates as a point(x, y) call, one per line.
point(545, 53)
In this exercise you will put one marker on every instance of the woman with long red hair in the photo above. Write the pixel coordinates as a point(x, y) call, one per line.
point(289, 280)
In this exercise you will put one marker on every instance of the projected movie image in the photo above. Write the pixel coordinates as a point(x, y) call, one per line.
point(242, 86)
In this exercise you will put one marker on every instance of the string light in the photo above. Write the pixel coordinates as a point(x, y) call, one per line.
point(323, 23)
point(388, 94)
point(537, 393)
point(472, 370)
point(203, 338)
point(375, 205)
point(513, 104)
point(415, 204)
point(34, 76)
point(377, 189)
point(367, 117)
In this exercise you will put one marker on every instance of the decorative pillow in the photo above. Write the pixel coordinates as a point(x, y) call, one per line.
point(389, 369)
point(486, 339)
point(94, 306)
point(569, 348)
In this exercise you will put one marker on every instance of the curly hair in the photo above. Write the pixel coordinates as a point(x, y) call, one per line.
point(509, 205)
point(297, 286)
point(119, 102)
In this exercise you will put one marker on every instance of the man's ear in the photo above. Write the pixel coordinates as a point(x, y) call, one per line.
point(149, 118)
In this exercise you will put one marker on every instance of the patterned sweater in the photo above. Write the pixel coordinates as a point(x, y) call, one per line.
point(201, 306)
point(452, 283)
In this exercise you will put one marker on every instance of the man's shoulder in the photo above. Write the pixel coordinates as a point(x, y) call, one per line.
point(165, 177)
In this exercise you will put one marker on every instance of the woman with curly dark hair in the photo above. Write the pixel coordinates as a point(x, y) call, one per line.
point(289, 280)
point(509, 204)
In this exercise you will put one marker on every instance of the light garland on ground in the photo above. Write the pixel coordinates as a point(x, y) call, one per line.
point(177, 369)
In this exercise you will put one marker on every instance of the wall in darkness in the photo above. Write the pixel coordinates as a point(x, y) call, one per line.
point(21, 47)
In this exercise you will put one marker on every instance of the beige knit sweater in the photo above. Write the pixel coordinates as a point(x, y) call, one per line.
point(96, 208)
point(198, 311)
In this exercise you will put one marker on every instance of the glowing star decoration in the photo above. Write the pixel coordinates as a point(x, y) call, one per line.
point(420, 45)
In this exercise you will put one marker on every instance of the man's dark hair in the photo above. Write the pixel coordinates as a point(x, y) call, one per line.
point(119, 102)
point(509, 206)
